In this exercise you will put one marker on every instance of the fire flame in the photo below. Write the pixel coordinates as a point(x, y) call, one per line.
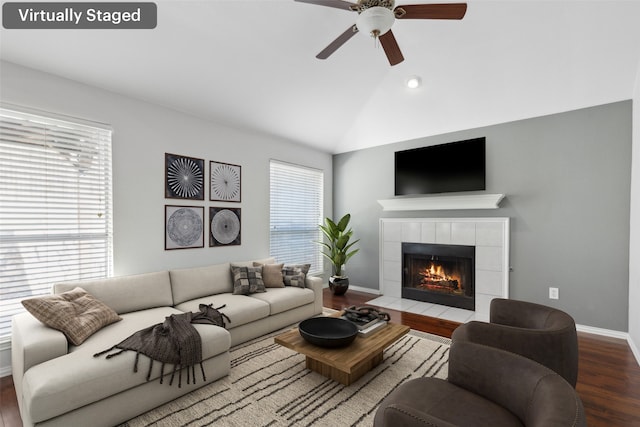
point(434, 277)
point(436, 272)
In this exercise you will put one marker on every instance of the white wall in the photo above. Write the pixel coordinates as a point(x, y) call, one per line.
point(142, 134)
point(634, 232)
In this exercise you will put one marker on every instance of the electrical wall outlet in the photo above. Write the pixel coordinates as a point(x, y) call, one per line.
point(553, 293)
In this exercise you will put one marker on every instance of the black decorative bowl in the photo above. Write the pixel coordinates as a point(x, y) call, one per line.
point(328, 331)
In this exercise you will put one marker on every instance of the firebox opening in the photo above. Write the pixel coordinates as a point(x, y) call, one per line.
point(440, 274)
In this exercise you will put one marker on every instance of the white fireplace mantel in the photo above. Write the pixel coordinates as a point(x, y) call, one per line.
point(434, 203)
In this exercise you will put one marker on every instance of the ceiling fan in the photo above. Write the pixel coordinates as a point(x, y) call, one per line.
point(375, 17)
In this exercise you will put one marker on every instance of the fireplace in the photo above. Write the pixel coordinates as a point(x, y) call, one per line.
point(439, 274)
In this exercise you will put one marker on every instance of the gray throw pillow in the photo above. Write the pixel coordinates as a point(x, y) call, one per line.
point(295, 274)
point(247, 280)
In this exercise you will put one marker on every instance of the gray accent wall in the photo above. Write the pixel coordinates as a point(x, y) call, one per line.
point(567, 183)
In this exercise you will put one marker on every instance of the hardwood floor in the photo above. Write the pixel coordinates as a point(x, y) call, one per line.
point(608, 377)
point(9, 413)
point(608, 373)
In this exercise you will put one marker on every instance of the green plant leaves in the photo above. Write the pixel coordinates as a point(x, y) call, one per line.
point(338, 246)
point(344, 221)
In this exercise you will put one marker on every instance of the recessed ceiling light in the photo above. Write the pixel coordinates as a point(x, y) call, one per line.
point(413, 82)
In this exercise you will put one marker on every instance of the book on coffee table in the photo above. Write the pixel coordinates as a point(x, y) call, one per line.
point(363, 323)
point(372, 329)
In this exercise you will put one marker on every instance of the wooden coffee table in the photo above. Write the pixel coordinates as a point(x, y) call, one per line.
point(345, 364)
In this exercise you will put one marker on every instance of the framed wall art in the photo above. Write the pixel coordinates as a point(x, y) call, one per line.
point(183, 227)
point(184, 177)
point(224, 226)
point(225, 182)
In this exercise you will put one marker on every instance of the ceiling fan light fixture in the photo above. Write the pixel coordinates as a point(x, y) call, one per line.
point(414, 82)
point(375, 21)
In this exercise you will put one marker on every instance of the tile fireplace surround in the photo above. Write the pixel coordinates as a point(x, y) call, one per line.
point(490, 236)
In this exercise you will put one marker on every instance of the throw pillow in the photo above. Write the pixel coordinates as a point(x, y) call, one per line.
point(295, 274)
point(271, 275)
point(247, 280)
point(76, 313)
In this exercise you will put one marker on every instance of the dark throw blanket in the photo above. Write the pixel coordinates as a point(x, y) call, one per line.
point(175, 341)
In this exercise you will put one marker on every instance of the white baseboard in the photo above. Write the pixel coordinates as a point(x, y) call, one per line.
point(634, 349)
point(5, 371)
point(360, 289)
point(612, 334)
point(604, 332)
point(365, 290)
point(5, 359)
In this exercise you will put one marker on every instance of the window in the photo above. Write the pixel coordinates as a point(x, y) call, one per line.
point(55, 206)
point(296, 211)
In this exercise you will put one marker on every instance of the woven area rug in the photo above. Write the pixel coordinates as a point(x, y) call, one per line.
point(269, 386)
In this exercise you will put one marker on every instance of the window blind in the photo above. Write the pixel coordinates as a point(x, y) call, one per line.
point(55, 206)
point(296, 210)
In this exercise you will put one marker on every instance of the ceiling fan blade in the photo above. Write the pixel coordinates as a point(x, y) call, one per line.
point(432, 11)
point(391, 48)
point(338, 4)
point(334, 45)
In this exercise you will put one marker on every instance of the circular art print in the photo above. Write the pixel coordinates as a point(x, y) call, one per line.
point(225, 182)
point(184, 177)
point(225, 226)
point(184, 227)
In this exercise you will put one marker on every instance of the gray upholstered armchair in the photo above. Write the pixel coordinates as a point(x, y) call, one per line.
point(544, 334)
point(486, 387)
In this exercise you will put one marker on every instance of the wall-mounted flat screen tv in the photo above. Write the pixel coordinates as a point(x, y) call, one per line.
point(444, 168)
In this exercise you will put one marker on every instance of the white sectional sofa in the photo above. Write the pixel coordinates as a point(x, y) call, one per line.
point(59, 384)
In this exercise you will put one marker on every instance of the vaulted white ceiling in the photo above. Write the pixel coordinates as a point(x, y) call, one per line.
point(252, 64)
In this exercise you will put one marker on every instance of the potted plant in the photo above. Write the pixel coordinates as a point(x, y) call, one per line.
point(338, 250)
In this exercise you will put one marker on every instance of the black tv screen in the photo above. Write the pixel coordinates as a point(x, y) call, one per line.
point(444, 168)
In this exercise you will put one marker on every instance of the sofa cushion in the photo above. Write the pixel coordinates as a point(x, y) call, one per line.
point(295, 274)
point(133, 322)
point(271, 275)
point(240, 309)
point(247, 280)
point(284, 299)
point(127, 293)
point(269, 260)
point(76, 313)
point(190, 283)
point(63, 384)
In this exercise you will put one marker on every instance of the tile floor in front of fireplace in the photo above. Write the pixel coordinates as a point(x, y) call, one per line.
point(427, 309)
